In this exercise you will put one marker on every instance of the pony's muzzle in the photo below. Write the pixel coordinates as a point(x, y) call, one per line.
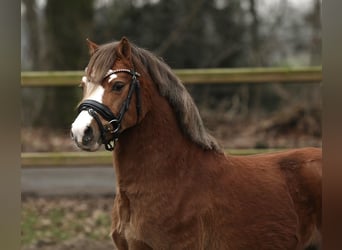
point(86, 137)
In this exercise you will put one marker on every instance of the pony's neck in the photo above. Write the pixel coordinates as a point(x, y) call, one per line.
point(152, 149)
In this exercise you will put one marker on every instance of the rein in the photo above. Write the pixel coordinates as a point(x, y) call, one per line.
point(110, 132)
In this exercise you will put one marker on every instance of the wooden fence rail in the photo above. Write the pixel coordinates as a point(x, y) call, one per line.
point(188, 76)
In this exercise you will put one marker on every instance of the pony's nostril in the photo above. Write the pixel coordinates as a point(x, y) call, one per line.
point(88, 136)
point(71, 135)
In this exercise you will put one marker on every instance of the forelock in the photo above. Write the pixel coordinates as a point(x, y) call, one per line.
point(100, 62)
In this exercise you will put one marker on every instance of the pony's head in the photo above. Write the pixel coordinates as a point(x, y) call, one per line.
point(112, 99)
point(118, 86)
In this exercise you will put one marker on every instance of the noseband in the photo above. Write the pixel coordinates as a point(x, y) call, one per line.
point(110, 131)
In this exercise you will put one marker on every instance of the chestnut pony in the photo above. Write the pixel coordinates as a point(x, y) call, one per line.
point(176, 189)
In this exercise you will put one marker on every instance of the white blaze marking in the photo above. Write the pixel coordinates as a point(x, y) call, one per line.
point(84, 119)
point(112, 77)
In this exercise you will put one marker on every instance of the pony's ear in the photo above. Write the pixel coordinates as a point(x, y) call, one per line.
point(92, 46)
point(124, 49)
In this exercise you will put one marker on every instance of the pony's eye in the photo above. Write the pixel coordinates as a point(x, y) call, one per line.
point(118, 86)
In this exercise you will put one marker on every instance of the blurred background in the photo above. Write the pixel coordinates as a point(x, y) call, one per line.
point(187, 34)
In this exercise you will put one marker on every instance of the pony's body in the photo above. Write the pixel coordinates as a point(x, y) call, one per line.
point(176, 189)
point(216, 201)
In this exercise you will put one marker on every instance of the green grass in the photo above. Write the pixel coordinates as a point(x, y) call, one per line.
point(29, 220)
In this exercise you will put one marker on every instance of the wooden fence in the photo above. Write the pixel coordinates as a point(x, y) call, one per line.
point(188, 76)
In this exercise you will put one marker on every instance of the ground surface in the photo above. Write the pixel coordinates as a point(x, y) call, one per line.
point(63, 223)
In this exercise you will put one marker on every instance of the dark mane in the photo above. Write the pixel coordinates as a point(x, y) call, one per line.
point(168, 84)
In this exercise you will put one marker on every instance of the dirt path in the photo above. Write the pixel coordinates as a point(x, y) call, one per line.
point(68, 181)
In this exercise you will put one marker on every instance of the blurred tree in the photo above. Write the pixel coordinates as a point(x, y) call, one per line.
point(313, 19)
point(257, 59)
point(68, 23)
point(32, 54)
point(31, 20)
point(186, 33)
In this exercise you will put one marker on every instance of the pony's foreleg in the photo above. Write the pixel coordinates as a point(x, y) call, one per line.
point(138, 245)
point(120, 243)
point(120, 215)
point(315, 242)
point(188, 238)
